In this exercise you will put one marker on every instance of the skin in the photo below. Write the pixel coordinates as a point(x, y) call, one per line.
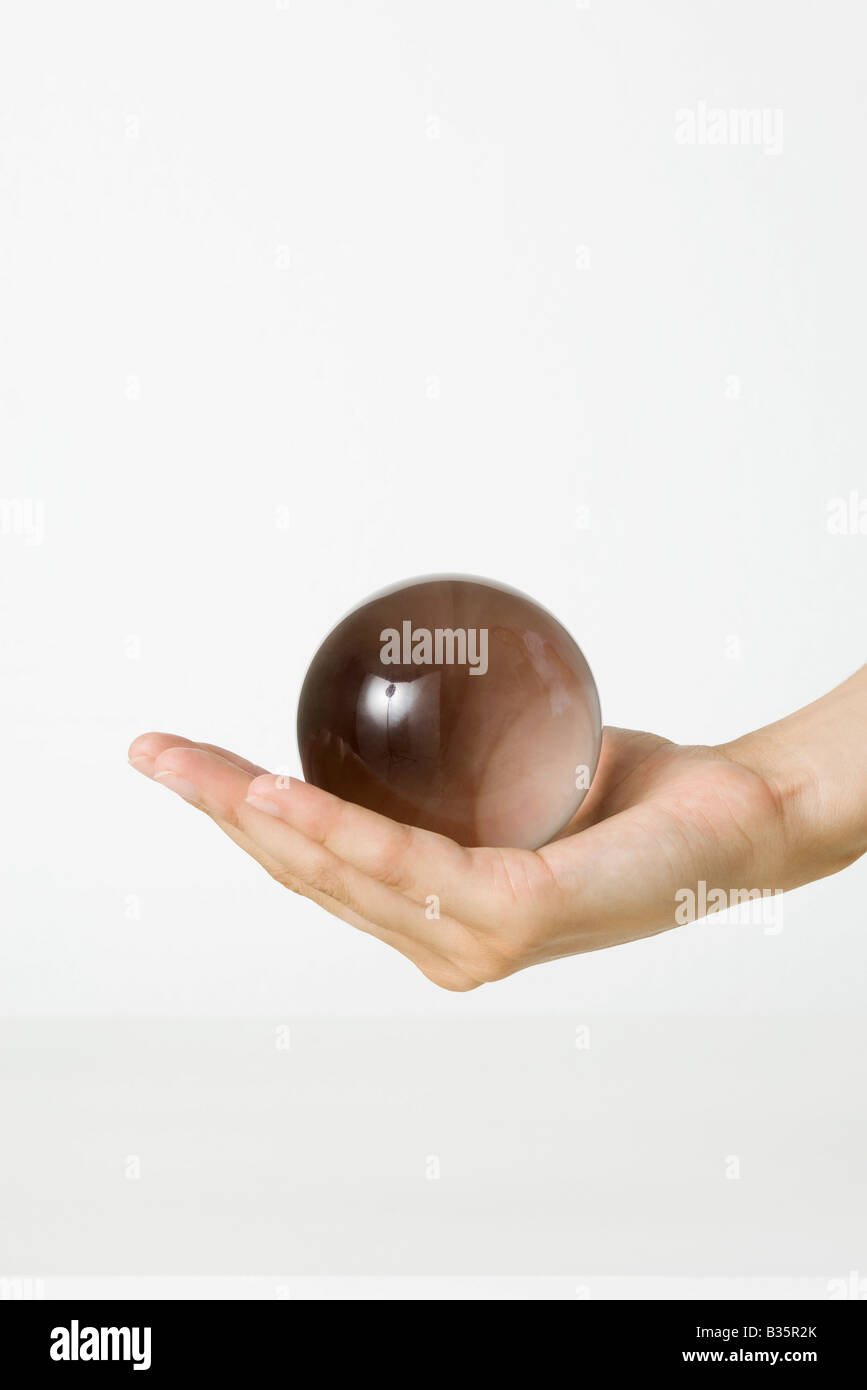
point(772, 810)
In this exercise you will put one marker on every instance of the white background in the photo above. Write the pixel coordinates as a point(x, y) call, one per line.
point(299, 299)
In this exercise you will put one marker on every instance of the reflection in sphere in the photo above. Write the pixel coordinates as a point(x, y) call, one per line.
point(457, 705)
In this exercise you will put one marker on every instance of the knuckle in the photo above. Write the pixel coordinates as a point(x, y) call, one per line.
point(319, 879)
point(389, 874)
point(325, 879)
point(285, 878)
point(388, 865)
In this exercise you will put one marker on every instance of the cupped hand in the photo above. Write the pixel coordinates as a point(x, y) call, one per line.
point(658, 818)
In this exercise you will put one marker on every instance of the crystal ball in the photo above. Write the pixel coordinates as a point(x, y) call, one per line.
point(455, 704)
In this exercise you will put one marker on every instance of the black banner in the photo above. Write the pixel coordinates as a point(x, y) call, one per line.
point(222, 1339)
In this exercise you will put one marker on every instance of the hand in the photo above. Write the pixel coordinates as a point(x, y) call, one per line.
point(659, 818)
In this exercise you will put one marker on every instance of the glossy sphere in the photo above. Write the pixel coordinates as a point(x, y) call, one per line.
point(454, 704)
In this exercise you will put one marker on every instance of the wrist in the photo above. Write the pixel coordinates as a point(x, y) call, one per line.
point(814, 765)
point(806, 842)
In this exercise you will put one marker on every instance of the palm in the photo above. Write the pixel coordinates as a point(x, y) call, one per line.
point(658, 818)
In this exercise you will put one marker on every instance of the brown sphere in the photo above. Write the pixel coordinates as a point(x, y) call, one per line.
point(454, 704)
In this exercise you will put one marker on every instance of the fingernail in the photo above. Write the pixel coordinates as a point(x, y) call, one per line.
point(143, 764)
point(262, 805)
point(177, 784)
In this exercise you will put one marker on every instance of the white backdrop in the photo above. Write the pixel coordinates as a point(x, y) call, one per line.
point(303, 298)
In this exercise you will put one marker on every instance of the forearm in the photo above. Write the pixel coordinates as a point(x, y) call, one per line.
point(815, 763)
